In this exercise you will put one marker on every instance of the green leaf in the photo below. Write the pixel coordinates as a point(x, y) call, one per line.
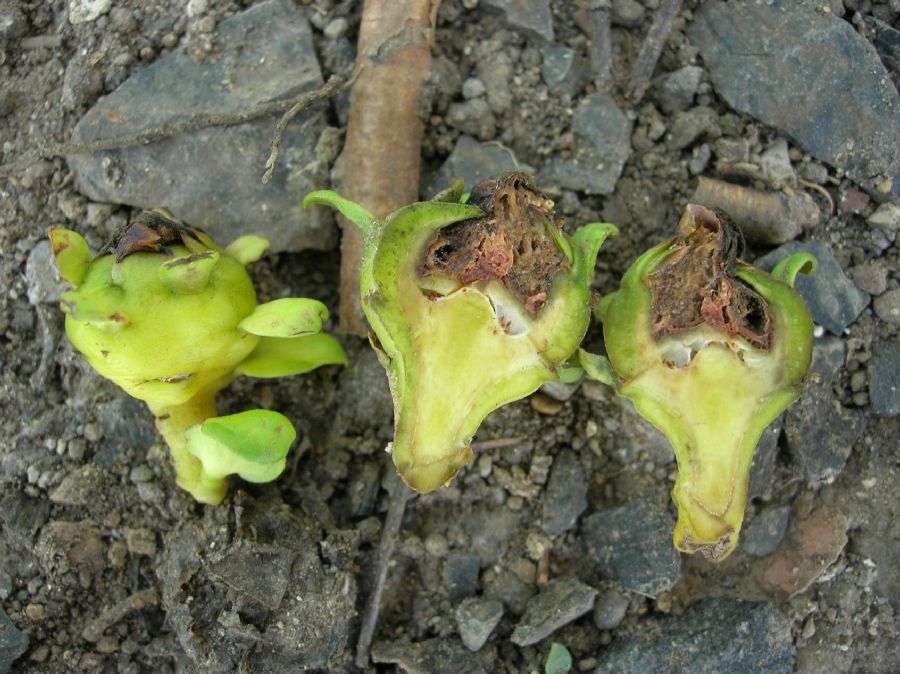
point(275, 357)
point(355, 213)
point(597, 368)
point(71, 253)
point(188, 274)
point(248, 248)
point(288, 317)
point(559, 660)
point(452, 194)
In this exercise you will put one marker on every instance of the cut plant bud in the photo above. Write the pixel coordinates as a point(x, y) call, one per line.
point(172, 318)
point(710, 350)
point(472, 305)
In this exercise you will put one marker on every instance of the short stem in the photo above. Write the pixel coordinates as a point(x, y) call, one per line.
point(172, 423)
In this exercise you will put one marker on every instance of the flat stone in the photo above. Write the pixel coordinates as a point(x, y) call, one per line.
point(211, 177)
point(764, 534)
point(473, 162)
point(532, 18)
point(476, 618)
point(832, 298)
point(809, 74)
point(870, 277)
point(820, 432)
point(432, 656)
point(632, 545)
point(603, 134)
point(462, 575)
point(41, 278)
point(814, 541)
point(559, 602)
point(22, 517)
point(886, 218)
point(566, 495)
point(712, 636)
point(676, 90)
point(884, 378)
point(13, 643)
point(887, 307)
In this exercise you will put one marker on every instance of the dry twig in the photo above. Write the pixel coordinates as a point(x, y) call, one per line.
point(652, 48)
point(399, 495)
point(379, 166)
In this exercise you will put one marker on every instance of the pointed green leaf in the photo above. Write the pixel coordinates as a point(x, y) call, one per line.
point(71, 253)
point(586, 244)
point(188, 274)
point(559, 660)
point(452, 194)
point(248, 248)
point(275, 357)
point(288, 317)
point(355, 213)
point(256, 436)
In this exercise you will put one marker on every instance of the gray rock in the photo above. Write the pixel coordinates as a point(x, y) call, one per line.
point(496, 70)
point(713, 636)
point(603, 145)
point(530, 17)
point(22, 517)
point(365, 397)
point(763, 535)
point(473, 88)
point(762, 470)
point(127, 424)
point(82, 83)
point(559, 602)
point(691, 125)
point(884, 378)
point(610, 609)
point(887, 44)
point(462, 575)
point(832, 298)
point(627, 13)
point(13, 643)
point(887, 307)
point(562, 70)
point(676, 90)
point(510, 589)
point(820, 432)
point(566, 495)
point(476, 618)
point(13, 23)
point(41, 276)
point(886, 218)
point(870, 277)
point(632, 545)
point(775, 164)
point(473, 117)
point(433, 656)
point(808, 74)
point(473, 162)
point(211, 177)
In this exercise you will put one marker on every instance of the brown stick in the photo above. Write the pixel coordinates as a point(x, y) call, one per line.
point(379, 166)
point(652, 48)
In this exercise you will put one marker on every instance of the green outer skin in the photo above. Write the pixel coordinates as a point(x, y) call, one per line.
point(164, 335)
point(167, 331)
point(449, 362)
point(714, 409)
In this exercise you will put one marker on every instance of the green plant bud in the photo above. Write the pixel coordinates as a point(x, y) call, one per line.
point(472, 306)
point(171, 318)
point(250, 444)
point(710, 350)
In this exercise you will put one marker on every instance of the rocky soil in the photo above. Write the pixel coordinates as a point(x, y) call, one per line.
point(560, 531)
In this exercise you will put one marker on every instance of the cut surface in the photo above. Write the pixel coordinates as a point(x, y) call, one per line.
point(695, 285)
point(513, 244)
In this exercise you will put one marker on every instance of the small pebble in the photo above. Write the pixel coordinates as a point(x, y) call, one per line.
point(35, 612)
point(473, 88)
point(93, 432)
point(336, 28)
point(436, 545)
